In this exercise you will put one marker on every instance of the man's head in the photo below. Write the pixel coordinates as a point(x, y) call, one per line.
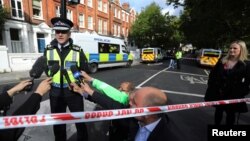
point(62, 29)
point(146, 97)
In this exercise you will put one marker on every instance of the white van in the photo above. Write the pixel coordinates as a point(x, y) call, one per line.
point(151, 54)
point(102, 51)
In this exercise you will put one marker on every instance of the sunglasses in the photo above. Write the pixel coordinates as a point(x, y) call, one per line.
point(62, 31)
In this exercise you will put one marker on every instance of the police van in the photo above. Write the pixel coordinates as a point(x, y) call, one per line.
point(151, 54)
point(103, 51)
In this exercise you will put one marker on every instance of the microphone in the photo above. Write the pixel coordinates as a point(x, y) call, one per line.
point(36, 71)
point(76, 73)
point(54, 69)
point(38, 67)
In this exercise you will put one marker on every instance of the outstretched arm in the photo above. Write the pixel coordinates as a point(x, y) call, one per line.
point(107, 89)
point(32, 105)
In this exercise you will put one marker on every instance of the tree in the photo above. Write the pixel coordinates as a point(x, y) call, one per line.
point(214, 23)
point(152, 28)
point(3, 15)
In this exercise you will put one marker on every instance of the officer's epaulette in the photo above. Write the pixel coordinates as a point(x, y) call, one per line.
point(49, 47)
point(76, 48)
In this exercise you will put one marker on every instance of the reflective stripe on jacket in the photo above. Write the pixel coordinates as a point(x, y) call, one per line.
point(72, 58)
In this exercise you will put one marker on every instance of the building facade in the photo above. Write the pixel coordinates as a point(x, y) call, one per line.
point(28, 28)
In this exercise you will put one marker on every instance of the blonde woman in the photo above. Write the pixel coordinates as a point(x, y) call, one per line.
point(229, 79)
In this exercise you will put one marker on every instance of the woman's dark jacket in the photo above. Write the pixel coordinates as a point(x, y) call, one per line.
point(224, 84)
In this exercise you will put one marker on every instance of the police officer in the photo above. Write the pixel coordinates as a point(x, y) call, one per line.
point(62, 51)
point(178, 57)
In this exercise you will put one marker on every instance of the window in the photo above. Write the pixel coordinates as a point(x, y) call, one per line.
point(118, 31)
point(81, 20)
point(108, 48)
point(100, 5)
point(118, 14)
point(115, 12)
point(123, 15)
point(81, 1)
point(100, 26)
point(1, 3)
point(105, 8)
point(58, 14)
point(90, 22)
point(37, 10)
point(105, 27)
point(69, 14)
point(16, 9)
point(115, 30)
point(16, 43)
point(90, 3)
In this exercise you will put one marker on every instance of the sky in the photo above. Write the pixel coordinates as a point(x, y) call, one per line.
point(139, 4)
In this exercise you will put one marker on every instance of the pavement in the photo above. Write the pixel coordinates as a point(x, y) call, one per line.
point(16, 76)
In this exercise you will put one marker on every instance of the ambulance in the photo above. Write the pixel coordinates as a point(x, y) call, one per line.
point(209, 57)
point(103, 51)
point(151, 54)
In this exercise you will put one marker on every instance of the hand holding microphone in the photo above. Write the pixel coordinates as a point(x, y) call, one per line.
point(77, 75)
point(19, 87)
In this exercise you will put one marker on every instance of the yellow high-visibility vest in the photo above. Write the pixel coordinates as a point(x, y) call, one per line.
point(72, 57)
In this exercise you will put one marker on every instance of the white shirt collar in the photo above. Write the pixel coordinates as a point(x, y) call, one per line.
point(60, 46)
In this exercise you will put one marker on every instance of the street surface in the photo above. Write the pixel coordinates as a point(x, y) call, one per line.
point(187, 85)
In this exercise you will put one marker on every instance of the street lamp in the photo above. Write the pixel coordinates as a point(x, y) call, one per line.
point(63, 7)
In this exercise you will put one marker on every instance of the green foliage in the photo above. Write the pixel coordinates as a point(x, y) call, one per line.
point(152, 28)
point(215, 23)
point(3, 15)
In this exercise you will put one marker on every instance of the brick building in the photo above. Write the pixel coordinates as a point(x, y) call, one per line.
point(28, 28)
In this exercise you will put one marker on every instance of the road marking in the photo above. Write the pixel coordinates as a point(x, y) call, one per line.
point(179, 93)
point(207, 72)
point(155, 64)
point(152, 77)
point(186, 73)
point(193, 80)
point(183, 93)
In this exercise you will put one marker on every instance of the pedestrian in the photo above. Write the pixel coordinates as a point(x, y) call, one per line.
point(30, 106)
point(116, 131)
point(156, 126)
point(63, 52)
point(229, 79)
point(178, 57)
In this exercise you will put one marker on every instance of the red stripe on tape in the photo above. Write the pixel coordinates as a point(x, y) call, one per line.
point(63, 117)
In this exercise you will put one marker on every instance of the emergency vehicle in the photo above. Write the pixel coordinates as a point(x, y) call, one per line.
point(208, 57)
point(151, 54)
point(102, 51)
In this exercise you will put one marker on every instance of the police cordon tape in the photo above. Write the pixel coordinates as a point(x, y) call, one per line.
point(90, 116)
